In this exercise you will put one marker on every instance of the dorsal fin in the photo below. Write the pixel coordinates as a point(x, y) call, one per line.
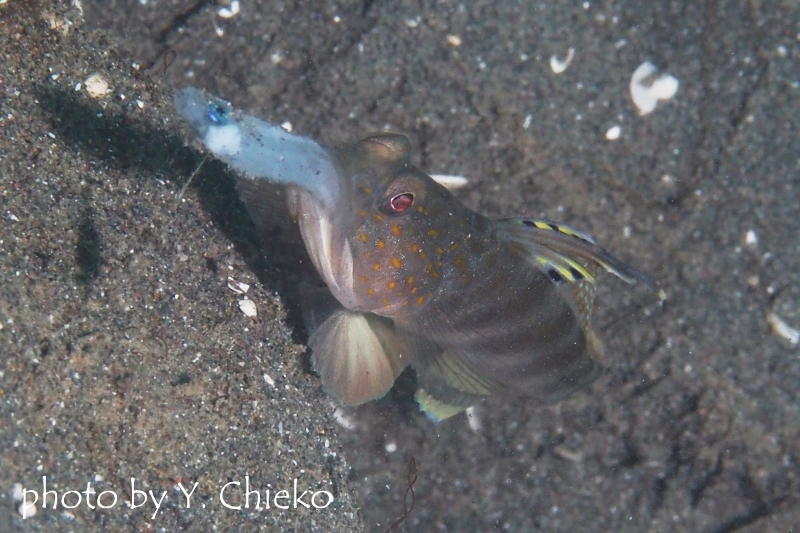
point(393, 147)
point(560, 248)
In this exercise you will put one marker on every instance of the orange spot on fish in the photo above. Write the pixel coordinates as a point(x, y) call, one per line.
point(460, 265)
point(413, 290)
point(405, 303)
point(420, 299)
point(367, 190)
point(363, 212)
point(380, 243)
point(364, 237)
point(385, 302)
point(378, 218)
point(363, 278)
point(440, 251)
point(410, 280)
point(395, 230)
point(422, 254)
point(396, 262)
point(376, 266)
point(433, 233)
point(370, 291)
point(392, 284)
point(414, 248)
point(453, 246)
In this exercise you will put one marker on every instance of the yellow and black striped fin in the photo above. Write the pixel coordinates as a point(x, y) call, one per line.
point(561, 268)
point(580, 296)
point(560, 228)
point(562, 252)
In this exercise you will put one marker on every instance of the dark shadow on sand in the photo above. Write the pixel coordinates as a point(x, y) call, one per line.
point(116, 140)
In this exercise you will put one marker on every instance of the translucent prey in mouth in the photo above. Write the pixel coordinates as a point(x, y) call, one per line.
point(477, 306)
point(258, 148)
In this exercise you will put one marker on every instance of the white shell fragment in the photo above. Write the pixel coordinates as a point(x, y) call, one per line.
point(450, 182)
point(16, 492)
point(268, 380)
point(454, 40)
point(473, 419)
point(96, 86)
point(558, 66)
point(27, 510)
point(528, 121)
point(782, 329)
point(237, 286)
point(248, 307)
point(343, 420)
point(613, 133)
point(228, 12)
point(648, 87)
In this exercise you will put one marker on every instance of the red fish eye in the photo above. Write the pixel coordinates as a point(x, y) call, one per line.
point(399, 204)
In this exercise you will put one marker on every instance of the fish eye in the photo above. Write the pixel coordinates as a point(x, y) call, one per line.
point(217, 112)
point(401, 203)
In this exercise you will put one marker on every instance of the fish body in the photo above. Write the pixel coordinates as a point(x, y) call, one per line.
point(476, 306)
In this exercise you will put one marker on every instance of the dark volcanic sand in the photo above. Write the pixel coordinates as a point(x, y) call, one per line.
point(124, 354)
point(694, 425)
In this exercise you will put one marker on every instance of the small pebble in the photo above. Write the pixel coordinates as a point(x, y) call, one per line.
point(96, 85)
point(27, 509)
point(613, 133)
point(454, 40)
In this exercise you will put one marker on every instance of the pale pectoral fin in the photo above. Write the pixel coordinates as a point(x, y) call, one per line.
point(357, 355)
point(561, 252)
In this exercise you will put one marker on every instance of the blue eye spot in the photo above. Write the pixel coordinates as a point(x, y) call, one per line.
point(217, 113)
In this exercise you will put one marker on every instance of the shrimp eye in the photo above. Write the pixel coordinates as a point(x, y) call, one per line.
point(401, 203)
point(217, 113)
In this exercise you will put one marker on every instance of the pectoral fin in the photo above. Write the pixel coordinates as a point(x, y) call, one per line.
point(266, 203)
point(357, 355)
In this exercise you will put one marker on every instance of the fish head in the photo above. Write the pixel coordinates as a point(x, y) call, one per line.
point(403, 228)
